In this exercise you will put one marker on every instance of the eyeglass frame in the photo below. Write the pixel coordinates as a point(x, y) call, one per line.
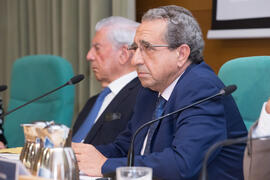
point(146, 45)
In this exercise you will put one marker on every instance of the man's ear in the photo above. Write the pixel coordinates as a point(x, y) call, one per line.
point(124, 54)
point(183, 53)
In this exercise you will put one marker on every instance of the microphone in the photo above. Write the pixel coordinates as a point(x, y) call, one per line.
point(3, 88)
point(75, 79)
point(226, 142)
point(223, 92)
point(72, 81)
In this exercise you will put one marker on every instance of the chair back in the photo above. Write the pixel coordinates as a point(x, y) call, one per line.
point(252, 77)
point(31, 77)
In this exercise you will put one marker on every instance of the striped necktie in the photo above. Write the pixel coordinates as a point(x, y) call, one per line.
point(157, 113)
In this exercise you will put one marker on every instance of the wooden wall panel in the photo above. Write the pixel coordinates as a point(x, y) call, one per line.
point(216, 52)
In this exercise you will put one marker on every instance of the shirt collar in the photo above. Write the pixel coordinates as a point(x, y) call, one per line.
point(121, 82)
point(168, 91)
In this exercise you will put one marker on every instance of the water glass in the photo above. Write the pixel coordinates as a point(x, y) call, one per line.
point(134, 173)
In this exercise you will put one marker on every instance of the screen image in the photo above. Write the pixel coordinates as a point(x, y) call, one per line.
point(240, 19)
point(242, 9)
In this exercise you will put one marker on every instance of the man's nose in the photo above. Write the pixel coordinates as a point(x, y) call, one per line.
point(137, 58)
point(90, 55)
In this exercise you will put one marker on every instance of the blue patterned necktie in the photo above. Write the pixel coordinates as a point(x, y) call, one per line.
point(157, 113)
point(89, 122)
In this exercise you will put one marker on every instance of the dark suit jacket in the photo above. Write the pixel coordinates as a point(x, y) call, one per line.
point(114, 118)
point(181, 141)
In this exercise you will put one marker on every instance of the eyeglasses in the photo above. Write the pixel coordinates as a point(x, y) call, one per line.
point(145, 47)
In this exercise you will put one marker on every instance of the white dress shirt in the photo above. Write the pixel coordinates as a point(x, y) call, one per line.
point(116, 86)
point(263, 127)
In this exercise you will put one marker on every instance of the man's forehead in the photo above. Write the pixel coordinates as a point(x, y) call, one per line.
point(102, 33)
point(148, 30)
point(100, 37)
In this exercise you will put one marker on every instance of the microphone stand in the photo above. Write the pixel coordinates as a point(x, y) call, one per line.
point(227, 90)
point(227, 142)
point(33, 100)
point(72, 81)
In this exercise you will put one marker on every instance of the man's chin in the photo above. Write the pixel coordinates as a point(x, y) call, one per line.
point(145, 83)
point(97, 77)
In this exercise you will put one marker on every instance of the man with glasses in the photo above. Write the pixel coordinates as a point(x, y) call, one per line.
point(168, 57)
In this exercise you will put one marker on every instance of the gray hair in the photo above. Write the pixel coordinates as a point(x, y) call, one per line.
point(122, 30)
point(182, 28)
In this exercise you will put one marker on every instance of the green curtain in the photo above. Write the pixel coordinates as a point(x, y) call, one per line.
point(58, 27)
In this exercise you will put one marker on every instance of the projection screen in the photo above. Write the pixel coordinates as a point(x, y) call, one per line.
point(240, 19)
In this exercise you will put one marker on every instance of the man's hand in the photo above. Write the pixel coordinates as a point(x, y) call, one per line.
point(267, 107)
point(90, 160)
point(2, 145)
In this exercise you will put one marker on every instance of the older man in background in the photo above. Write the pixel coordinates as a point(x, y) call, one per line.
point(105, 115)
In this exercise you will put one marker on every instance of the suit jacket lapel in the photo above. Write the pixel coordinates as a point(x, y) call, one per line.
point(148, 108)
point(112, 107)
point(170, 106)
point(84, 113)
